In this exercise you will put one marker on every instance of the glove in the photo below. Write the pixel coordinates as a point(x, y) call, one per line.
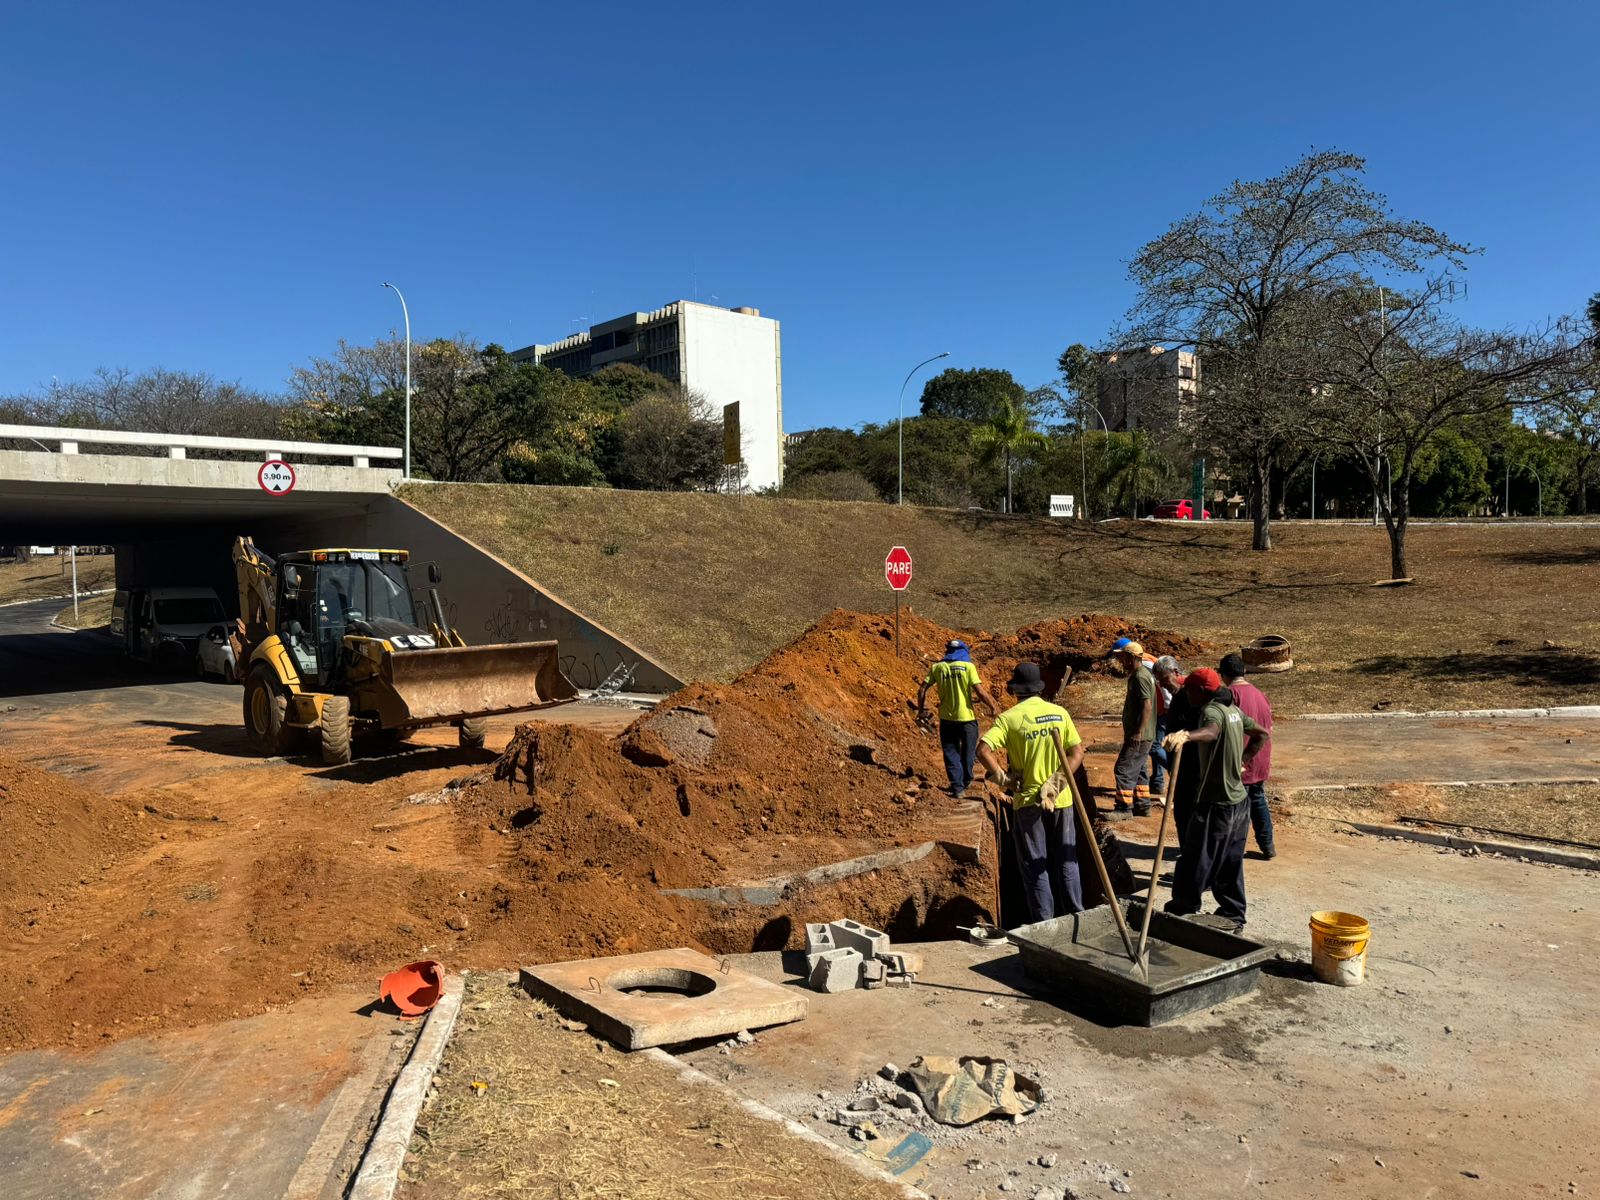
point(1174, 742)
point(1001, 779)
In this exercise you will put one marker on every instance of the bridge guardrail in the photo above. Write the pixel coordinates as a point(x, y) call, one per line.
point(68, 441)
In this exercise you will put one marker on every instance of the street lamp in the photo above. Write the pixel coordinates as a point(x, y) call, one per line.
point(900, 421)
point(1083, 455)
point(406, 312)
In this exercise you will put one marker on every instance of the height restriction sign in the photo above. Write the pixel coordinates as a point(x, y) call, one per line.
point(276, 477)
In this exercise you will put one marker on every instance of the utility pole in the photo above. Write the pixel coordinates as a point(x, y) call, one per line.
point(900, 422)
point(406, 312)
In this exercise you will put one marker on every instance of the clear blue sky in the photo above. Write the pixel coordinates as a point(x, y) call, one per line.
point(224, 187)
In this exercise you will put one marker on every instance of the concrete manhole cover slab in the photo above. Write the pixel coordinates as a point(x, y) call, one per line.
point(662, 997)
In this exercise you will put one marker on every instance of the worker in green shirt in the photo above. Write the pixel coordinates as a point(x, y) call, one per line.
point(1039, 740)
point(956, 679)
point(1138, 728)
point(1211, 846)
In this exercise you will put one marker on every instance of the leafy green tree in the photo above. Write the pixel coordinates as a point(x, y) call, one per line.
point(1006, 435)
point(667, 442)
point(470, 405)
point(823, 451)
point(1452, 477)
point(970, 395)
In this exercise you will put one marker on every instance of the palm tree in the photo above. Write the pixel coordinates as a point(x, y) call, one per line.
point(1133, 469)
point(1007, 433)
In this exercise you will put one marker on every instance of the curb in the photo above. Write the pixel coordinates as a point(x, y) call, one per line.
point(857, 1163)
point(1554, 858)
point(1468, 714)
point(1289, 793)
point(379, 1173)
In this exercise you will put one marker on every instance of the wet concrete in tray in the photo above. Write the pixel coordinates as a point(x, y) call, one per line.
point(1464, 1067)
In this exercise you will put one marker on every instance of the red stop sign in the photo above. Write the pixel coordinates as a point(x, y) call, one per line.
point(897, 568)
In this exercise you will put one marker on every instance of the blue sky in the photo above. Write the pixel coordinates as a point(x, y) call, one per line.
point(225, 187)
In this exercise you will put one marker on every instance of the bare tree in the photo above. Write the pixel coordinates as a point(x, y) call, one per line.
point(157, 401)
point(1237, 280)
point(1395, 373)
point(1571, 408)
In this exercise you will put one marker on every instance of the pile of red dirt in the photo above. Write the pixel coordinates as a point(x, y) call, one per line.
point(249, 884)
point(1080, 643)
point(54, 836)
point(811, 749)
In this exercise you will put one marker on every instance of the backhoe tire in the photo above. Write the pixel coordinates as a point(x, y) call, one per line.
point(335, 729)
point(472, 733)
point(266, 706)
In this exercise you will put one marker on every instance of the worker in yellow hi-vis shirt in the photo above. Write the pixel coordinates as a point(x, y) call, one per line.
point(956, 679)
point(1039, 740)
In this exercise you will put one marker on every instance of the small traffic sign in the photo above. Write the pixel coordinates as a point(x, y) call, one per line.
point(897, 568)
point(276, 477)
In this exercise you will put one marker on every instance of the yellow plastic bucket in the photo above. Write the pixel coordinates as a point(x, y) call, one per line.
point(1339, 947)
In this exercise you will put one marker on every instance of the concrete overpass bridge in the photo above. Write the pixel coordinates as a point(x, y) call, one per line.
point(171, 505)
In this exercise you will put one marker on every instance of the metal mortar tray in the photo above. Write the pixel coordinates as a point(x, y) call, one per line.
point(1081, 960)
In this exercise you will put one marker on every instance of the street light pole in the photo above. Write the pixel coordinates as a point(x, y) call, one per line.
point(406, 312)
point(900, 422)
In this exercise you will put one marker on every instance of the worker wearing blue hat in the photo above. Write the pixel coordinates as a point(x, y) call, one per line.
point(956, 678)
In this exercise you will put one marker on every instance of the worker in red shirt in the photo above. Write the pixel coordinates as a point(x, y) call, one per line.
point(1253, 704)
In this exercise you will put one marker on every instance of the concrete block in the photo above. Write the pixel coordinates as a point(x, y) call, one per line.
point(863, 939)
point(662, 997)
point(819, 940)
point(836, 971)
point(873, 973)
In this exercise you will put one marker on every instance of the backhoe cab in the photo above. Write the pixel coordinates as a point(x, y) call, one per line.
point(332, 645)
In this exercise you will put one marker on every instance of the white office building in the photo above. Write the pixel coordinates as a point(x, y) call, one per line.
point(732, 357)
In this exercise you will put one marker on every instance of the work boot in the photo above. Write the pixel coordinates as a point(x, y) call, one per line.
point(1141, 808)
point(1267, 851)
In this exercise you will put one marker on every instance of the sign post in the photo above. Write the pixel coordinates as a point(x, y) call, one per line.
point(897, 570)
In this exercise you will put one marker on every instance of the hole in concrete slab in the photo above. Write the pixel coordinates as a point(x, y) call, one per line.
point(662, 981)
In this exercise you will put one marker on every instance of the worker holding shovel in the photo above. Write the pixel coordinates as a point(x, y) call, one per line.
point(1035, 735)
point(1211, 847)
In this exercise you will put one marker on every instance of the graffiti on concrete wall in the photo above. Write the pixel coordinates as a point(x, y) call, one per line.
point(589, 672)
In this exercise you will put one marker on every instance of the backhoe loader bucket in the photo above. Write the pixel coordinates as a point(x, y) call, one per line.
point(478, 681)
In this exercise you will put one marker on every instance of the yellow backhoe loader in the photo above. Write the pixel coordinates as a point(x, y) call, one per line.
point(330, 645)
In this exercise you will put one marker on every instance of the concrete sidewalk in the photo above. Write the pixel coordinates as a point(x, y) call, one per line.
point(1407, 750)
point(258, 1109)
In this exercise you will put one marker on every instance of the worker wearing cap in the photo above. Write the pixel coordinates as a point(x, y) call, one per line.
point(1253, 703)
point(1212, 846)
point(1138, 728)
point(1039, 740)
point(956, 679)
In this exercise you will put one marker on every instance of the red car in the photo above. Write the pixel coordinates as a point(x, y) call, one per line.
point(1180, 510)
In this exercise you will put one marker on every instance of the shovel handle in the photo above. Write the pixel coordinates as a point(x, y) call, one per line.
point(1155, 867)
point(1094, 850)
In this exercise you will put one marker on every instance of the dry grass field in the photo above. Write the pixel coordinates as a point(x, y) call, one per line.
point(1498, 615)
point(46, 577)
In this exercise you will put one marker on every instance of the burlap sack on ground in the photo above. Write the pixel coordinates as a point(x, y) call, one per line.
point(961, 1091)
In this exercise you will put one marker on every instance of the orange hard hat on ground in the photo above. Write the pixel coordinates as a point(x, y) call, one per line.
point(414, 988)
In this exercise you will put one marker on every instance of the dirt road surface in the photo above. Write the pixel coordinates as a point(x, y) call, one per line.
point(1463, 1068)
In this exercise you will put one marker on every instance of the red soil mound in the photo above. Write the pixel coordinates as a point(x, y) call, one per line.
point(258, 882)
point(1080, 643)
point(54, 835)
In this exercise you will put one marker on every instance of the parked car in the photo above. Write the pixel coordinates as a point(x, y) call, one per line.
point(214, 655)
point(1179, 510)
point(164, 625)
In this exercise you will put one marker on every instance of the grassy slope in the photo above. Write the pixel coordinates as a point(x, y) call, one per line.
point(44, 577)
point(710, 584)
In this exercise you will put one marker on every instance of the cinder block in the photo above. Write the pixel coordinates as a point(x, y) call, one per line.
point(865, 940)
point(873, 973)
point(819, 940)
point(836, 971)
